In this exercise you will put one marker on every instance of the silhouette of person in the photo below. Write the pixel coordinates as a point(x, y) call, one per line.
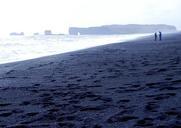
point(155, 36)
point(160, 36)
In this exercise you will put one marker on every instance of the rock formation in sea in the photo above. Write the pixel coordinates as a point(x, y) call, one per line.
point(17, 34)
point(48, 32)
point(121, 29)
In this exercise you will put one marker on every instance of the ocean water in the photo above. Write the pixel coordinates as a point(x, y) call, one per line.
point(18, 48)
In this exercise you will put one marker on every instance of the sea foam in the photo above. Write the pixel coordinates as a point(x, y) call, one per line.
point(19, 48)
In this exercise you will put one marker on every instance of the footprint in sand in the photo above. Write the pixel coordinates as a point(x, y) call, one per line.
point(173, 112)
point(9, 72)
point(161, 96)
point(73, 77)
point(168, 78)
point(36, 85)
point(5, 114)
point(176, 81)
point(66, 118)
point(52, 81)
point(97, 81)
point(162, 70)
point(123, 101)
point(4, 104)
point(146, 122)
point(121, 118)
point(151, 107)
point(25, 103)
point(66, 125)
point(17, 111)
point(30, 114)
point(92, 108)
point(154, 85)
point(94, 86)
point(54, 109)
point(11, 77)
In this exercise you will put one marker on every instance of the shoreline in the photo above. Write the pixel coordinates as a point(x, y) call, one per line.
point(131, 84)
point(8, 66)
point(58, 45)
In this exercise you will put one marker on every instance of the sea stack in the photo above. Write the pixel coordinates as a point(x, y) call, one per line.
point(48, 32)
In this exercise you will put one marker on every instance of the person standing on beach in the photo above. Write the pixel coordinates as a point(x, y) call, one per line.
point(155, 36)
point(160, 36)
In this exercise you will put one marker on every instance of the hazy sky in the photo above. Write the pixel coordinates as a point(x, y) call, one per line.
point(37, 15)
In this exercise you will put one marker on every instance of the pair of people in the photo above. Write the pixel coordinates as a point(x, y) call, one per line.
point(159, 34)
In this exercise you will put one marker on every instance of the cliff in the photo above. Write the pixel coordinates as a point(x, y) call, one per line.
point(121, 29)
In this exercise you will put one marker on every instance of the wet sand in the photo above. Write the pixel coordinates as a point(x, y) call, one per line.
point(125, 85)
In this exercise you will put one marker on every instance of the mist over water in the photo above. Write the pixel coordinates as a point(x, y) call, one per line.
point(18, 48)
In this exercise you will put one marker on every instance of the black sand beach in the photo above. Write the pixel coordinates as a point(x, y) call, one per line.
point(135, 84)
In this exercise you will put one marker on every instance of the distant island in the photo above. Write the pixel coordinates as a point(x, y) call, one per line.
point(49, 32)
point(121, 29)
point(17, 34)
